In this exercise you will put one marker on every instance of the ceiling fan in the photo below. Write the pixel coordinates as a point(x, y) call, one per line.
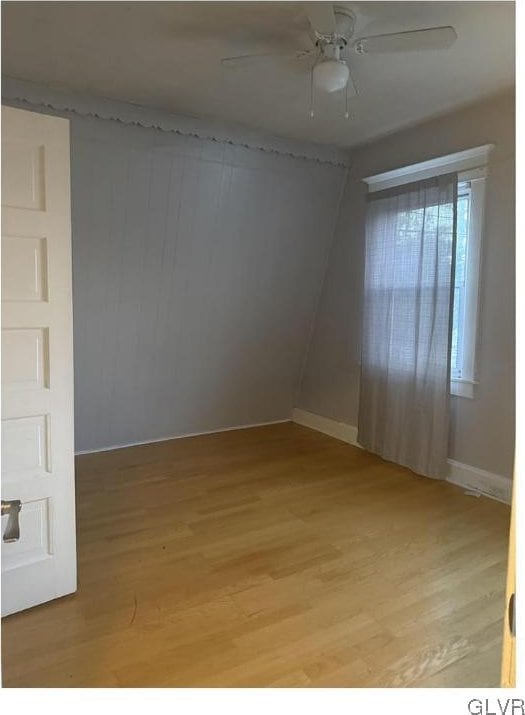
point(332, 29)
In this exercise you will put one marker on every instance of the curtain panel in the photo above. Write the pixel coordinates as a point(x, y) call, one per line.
point(407, 321)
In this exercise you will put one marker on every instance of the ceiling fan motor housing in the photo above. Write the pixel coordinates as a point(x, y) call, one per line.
point(331, 73)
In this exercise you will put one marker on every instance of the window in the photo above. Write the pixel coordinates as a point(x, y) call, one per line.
point(460, 283)
point(470, 166)
point(471, 189)
point(409, 248)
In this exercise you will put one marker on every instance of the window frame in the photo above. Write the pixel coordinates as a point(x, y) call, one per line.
point(470, 165)
point(464, 384)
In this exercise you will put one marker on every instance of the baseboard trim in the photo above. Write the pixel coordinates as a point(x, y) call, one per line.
point(462, 475)
point(495, 486)
point(178, 436)
point(340, 430)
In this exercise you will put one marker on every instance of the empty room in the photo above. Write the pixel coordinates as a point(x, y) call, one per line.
point(258, 344)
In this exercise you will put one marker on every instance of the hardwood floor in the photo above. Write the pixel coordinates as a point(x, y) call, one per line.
point(274, 556)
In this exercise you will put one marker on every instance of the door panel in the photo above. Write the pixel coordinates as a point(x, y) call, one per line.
point(25, 271)
point(25, 359)
point(37, 359)
point(25, 163)
point(24, 447)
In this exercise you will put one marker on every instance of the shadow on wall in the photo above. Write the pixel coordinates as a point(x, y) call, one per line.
point(482, 431)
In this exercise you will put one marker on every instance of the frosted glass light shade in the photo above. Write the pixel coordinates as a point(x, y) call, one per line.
point(331, 75)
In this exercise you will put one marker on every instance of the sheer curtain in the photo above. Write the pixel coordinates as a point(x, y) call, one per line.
point(407, 319)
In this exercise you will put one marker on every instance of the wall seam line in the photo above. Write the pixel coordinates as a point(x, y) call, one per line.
point(315, 313)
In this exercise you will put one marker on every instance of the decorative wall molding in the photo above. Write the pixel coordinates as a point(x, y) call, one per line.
point(470, 478)
point(37, 95)
point(178, 436)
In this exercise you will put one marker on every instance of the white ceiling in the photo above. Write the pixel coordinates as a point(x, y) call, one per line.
point(167, 55)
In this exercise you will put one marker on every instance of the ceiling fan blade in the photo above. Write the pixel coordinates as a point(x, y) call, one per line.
point(321, 17)
point(433, 38)
point(246, 60)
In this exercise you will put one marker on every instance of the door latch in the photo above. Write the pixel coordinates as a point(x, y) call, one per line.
point(512, 615)
point(11, 509)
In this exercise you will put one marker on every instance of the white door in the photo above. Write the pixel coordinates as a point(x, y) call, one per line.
point(37, 362)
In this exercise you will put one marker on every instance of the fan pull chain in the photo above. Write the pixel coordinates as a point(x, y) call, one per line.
point(347, 113)
point(311, 112)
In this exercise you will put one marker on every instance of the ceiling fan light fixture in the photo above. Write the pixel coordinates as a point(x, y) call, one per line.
point(331, 75)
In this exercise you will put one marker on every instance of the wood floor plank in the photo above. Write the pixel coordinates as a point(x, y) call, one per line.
point(274, 556)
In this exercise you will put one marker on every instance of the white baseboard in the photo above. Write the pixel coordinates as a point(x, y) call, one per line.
point(178, 436)
point(340, 430)
point(474, 479)
point(479, 480)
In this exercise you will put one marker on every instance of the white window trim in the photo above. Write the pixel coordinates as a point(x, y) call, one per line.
point(461, 161)
point(470, 165)
point(464, 387)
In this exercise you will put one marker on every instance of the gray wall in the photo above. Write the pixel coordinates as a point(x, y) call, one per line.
point(482, 430)
point(197, 267)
